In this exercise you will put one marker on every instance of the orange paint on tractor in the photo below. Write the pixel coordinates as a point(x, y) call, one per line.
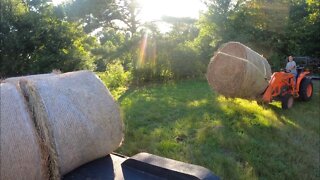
point(282, 86)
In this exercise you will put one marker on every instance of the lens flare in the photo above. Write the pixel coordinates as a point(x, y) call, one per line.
point(142, 54)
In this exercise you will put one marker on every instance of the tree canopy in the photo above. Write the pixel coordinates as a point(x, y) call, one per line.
point(34, 40)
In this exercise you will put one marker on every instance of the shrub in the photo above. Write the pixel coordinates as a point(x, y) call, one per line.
point(116, 78)
point(277, 61)
point(185, 63)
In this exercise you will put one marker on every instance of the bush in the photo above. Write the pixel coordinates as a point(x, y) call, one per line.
point(152, 73)
point(277, 61)
point(116, 78)
point(185, 63)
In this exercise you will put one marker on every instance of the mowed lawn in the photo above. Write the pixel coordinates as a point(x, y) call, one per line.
point(234, 138)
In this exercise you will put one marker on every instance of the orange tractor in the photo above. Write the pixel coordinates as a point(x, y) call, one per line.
point(285, 87)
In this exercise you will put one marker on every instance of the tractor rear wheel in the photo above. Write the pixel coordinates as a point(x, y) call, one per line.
point(306, 89)
point(287, 101)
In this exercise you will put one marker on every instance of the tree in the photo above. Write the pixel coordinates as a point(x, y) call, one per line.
point(34, 41)
point(303, 28)
point(94, 14)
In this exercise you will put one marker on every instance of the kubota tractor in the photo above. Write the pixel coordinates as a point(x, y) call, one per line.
point(285, 87)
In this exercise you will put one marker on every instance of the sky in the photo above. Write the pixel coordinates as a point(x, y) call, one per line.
point(153, 10)
point(57, 2)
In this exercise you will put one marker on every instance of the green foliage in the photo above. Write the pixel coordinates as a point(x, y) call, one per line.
point(304, 27)
point(112, 46)
point(35, 41)
point(185, 62)
point(273, 28)
point(173, 55)
point(94, 14)
point(235, 138)
point(116, 79)
point(91, 14)
point(277, 61)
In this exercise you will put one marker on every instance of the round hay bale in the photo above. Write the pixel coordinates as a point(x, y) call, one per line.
point(15, 80)
point(46, 145)
point(78, 115)
point(21, 155)
point(237, 71)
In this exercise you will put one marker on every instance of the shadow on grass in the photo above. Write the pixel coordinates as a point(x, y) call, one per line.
point(236, 139)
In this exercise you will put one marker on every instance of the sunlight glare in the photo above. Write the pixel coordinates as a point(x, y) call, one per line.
point(153, 10)
point(142, 54)
point(58, 2)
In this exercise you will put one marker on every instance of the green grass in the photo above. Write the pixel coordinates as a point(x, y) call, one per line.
point(234, 138)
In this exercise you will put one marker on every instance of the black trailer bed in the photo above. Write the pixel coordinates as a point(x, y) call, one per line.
point(140, 166)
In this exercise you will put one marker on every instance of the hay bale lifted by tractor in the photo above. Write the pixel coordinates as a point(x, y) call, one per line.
point(237, 71)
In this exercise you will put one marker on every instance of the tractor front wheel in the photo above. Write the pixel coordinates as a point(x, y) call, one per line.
point(306, 89)
point(287, 101)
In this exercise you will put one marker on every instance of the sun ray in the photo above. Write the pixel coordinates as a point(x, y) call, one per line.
point(142, 54)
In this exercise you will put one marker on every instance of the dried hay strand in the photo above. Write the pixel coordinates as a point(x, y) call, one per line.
point(78, 116)
point(237, 71)
point(21, 154)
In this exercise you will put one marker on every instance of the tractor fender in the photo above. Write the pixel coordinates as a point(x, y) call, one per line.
point(300, 78)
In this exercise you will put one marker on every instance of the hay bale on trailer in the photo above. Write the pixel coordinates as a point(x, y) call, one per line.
point(45, 142)
point(78, 115)
point(15, 80)
point(21, 153)
point(237, 71)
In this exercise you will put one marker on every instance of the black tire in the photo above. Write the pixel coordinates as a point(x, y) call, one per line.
point(287, 101)
point(260, 102)
point(304, 90)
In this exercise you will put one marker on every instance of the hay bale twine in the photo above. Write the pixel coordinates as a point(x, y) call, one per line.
point(45, 143)
point(21, 156)
point(81, 119)
point(237, 71)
